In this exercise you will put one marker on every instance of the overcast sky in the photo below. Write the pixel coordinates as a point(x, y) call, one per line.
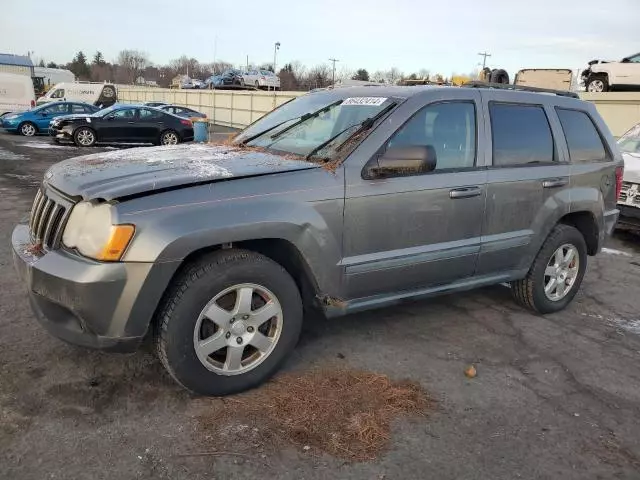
point(443, 36)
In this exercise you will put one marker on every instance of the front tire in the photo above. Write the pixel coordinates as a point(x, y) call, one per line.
point(169, 137)
point(556, 273)
point(84, 137)
point(228, 322)
point(597, 82)
point(28, 129)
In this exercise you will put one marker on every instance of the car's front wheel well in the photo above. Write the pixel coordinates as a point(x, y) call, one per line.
point(585, 223)
point(280, 251)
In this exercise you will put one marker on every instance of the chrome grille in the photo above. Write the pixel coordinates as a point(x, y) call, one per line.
point(48, 216)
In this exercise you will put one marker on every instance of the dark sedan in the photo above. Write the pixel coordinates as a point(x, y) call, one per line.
point(183, 112)
point(123, 124)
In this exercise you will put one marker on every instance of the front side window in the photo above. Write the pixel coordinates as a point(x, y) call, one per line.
point(124, 114)
point(58, 109)
point(59, 93)
point(521, 135)
point(450, 128)
point(583, 140)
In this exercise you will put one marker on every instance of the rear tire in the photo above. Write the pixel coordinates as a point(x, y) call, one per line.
point(530, 291)
point(169, 137)
point(198, 295)
point(28, 129)
point(84, 137)
point(597, 82)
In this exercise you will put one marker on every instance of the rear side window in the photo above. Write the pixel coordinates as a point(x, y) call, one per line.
point(75, 108)
point(521, 135)
point(583, 140)
point(149, 114)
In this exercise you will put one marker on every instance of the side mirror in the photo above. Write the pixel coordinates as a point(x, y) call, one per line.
point(43, 114)
point(109, 119)
point(403, 161)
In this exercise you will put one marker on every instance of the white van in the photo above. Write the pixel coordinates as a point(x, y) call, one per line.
point(16, 93)
point(99, 94)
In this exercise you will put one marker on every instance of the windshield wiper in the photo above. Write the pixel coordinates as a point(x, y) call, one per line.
point(306, 117)
point(302, 118)
point(366, 124)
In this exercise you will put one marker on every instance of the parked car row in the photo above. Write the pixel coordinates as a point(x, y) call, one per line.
point(259, 79)
point(85, 125)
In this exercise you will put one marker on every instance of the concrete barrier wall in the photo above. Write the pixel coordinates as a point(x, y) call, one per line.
point(230, 108)
point(620, 110)
point(239, 108)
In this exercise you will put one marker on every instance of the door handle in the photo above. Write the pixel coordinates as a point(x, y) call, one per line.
point(554, 182)
point(465, 192)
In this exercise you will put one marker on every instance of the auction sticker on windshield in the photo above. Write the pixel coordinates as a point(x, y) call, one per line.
point(375, 101)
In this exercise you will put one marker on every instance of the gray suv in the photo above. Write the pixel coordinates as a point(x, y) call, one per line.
point(345, 200)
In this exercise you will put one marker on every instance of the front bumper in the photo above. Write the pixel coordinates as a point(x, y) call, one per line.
point(629, 217)
point(93, 304)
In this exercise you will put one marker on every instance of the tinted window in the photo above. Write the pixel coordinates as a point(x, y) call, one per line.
point(585, 144)
point(450, 128)
point(521, 135)
point(58, 109)
point(149, 114)
point(75, 108)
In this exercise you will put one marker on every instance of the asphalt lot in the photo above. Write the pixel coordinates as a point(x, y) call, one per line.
point(555, 396)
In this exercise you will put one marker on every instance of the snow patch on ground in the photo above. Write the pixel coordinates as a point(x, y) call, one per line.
point(45, 146)
point(631, 325)
point(613, 251)
point(9, 155)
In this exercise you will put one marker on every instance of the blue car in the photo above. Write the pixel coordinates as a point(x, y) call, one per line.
point(37, 119)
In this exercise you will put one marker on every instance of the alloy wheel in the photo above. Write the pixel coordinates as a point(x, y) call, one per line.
point(28, 130)
point(85, 137)
point(238, 329)
point(169, 138)
point(561, 272)
point(596, 86)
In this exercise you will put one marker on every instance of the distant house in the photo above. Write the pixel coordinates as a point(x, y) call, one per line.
point(19, 64)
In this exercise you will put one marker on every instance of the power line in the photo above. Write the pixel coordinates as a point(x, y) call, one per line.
point(333, 75)
point(484, 56)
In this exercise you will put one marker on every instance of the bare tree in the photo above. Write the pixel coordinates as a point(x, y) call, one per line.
point(132, 63)
point(392, 76)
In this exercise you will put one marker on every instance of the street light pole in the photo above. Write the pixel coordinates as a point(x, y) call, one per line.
point(333, 75)
point(276, 47)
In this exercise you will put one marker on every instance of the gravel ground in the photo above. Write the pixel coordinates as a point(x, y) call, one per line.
point(555, 396)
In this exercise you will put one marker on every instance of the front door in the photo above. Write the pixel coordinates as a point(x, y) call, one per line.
point(526, 177)
point(119, 126)
point(410, 232)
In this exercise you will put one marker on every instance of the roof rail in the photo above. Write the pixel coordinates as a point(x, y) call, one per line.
point(508, 86)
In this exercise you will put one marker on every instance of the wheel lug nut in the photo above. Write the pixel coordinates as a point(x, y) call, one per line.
point(232, 320)
point(239, 340)
point(245, 317)
point(228, 334)
point(249, 329)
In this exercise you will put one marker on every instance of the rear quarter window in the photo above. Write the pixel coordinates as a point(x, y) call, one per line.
point(584, 142)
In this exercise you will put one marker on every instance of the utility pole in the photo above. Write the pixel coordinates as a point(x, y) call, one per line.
point(333, 75)
point(484, 56)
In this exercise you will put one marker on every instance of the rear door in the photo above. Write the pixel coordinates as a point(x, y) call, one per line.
point(150, 124)
point(412, 232)
point(527, 180)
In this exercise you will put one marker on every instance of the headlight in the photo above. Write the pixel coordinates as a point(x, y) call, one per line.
point(90, 231)
point(11, 117)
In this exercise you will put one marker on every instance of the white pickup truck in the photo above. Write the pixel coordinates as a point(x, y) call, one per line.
point(602, 75)
point(629, 199)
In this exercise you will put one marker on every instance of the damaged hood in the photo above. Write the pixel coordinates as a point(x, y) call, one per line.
point(631, 167)
point(121, 173)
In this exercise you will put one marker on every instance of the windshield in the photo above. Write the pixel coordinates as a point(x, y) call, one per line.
point(630, 141)
point(304, 124)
